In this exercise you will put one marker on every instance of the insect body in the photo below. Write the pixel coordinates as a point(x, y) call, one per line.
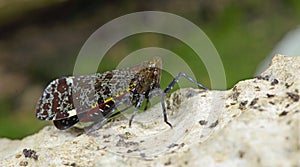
point(94, 99)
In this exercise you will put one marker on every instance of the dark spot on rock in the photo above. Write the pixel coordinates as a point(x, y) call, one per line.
point(234, 116)
point(129, 151)
point(253, 102)
point(135, 150)
point(243, 104)
point(127, 134)
point(122, 143)
point(297, 111)
point(286, 106)
point(266, 77)
point(234, 88)
point(35, 157)
point(70, 164)
point(168, 104)
point(257, 88)
point(283, 113)
point(270, 95)
point(177, 100)
point(288, 85)
point(214, 124)
point(202, 122)
point(168, 163)
point(106, 136)
point(241, 154)
point(260, 109)
point(293, 96)
point(143, 155)
point(28, 153)
point(23, 163)
point(172, 145)
point(235, 95)
point(271, 102)
point(191, 93)
point(274, 82)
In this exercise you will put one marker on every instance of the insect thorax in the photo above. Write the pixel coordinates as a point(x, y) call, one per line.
point(145, 81)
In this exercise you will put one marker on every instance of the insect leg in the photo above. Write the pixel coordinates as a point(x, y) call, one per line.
point(159, 92)
point(170, 87)
point(99, 124)
point(176, 79)
point(137, 106)
point(105, 119)
point(147, 102)
point(162, 97)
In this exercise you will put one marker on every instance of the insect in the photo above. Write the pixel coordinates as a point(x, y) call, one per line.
point(94, 99)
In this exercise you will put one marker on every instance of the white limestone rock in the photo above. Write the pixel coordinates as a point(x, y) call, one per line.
point(256, 123)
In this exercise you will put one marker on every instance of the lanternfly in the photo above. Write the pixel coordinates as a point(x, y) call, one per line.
point(94, 99)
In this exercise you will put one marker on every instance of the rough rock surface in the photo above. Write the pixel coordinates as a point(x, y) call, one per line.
point(256, 123)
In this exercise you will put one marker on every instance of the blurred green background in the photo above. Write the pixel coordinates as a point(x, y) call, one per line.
point(40, 40)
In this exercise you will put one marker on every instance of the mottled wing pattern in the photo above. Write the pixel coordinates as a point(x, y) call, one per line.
point(90, 91)
point(56, 100)
point(91, 98)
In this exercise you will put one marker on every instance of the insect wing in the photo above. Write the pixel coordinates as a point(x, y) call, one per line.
point(66, 123)
point(90, 98)
point(56, 100)
point(69, 96)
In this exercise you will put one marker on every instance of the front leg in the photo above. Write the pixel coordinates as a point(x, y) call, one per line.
point(170, 87)
point(179, 76)
point(147, 100)
point(137, 106)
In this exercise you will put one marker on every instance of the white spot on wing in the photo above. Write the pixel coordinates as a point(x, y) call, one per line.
point(72, 112)
point(69, 80)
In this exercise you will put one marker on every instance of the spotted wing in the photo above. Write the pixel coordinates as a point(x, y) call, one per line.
point(69, 100)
